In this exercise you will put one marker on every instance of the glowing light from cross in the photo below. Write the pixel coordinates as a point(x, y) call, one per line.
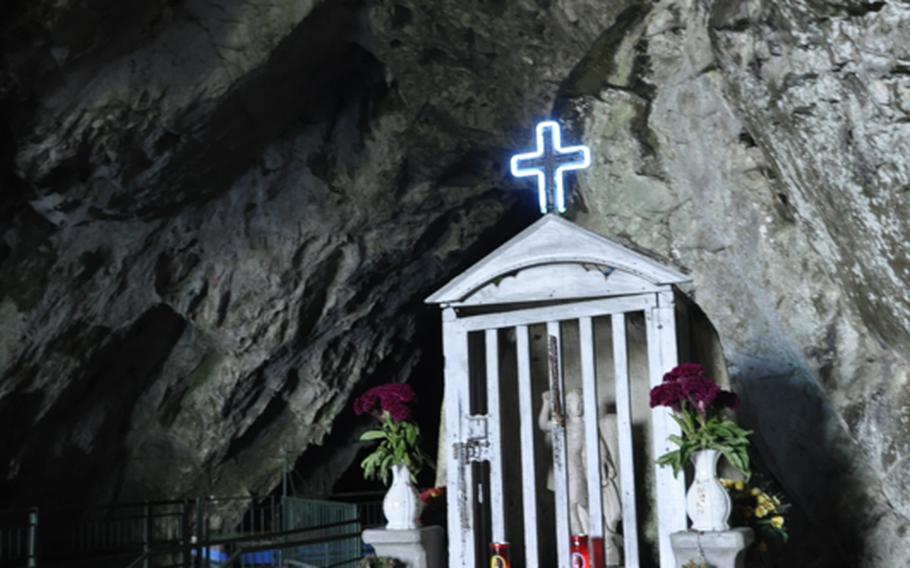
point(549, 162)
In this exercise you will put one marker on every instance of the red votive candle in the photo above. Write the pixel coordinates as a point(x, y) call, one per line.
point(499, 555)
point(579, 555)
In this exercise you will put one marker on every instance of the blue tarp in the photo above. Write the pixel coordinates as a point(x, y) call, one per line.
point(261, 558)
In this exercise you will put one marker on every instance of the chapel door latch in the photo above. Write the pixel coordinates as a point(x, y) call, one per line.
point(476, 446)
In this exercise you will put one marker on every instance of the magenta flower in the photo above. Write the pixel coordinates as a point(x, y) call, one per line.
point(399, 412)
point(667, 394)
point(365, 403)
point(392, 398)
point(700, 392)
point(684, 371)
point(687, 386)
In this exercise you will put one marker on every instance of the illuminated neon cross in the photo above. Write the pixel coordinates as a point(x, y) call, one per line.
point(548, 162)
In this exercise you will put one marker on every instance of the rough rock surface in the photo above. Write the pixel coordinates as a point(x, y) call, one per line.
point(762, 146)
point(223, 218)
point(219, 220)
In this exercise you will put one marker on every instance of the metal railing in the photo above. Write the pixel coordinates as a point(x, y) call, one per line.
point(282, 548)
point(187, 530)
point(369, 506)
point(59, 535)
point(19, 537)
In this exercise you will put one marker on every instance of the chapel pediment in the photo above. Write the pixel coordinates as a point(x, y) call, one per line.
point(555, 259)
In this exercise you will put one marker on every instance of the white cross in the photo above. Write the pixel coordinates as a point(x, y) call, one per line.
point(548, 162)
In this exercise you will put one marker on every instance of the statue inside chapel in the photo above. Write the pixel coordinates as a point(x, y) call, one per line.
point(576, 457)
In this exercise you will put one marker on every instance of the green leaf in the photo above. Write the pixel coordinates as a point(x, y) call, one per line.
point(369, 465)
point(384, 468)
point(372, 435)
point(674, 459)
point(683, 425)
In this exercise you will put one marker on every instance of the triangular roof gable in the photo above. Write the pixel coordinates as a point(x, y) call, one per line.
point(552, 240)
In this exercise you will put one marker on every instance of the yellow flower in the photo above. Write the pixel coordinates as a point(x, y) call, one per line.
point(777, 522)
point(766, 504)
point(740, 485)
point(755, 491)
point(727, 483)
point(760, 511)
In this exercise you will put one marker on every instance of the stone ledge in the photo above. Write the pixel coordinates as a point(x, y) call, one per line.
point(417, 548)
point(721, 549)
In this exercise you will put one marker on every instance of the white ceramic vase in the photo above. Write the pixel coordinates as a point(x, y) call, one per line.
point(707, 502)
point(401, 504)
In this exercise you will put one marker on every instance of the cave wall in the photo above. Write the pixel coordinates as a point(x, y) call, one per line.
point(762, 146)
point(219, 221)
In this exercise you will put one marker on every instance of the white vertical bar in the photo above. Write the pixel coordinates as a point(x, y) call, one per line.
point(528, 466)
point(558, 434)
point(670, 491)
point(494, 433)
point(592, 437)
point(626, 456)
point(458, 473)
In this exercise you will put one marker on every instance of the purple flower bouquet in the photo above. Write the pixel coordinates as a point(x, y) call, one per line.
point(398, 437)
point(697, 404)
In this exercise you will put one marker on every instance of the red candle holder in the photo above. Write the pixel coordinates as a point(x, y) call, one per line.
point(579, 552)
point(499, 555)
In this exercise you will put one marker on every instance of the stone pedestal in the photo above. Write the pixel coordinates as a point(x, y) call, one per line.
point(723, 549)
point(418, 548)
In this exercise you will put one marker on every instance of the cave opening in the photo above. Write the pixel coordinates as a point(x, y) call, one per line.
point(219, 221)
